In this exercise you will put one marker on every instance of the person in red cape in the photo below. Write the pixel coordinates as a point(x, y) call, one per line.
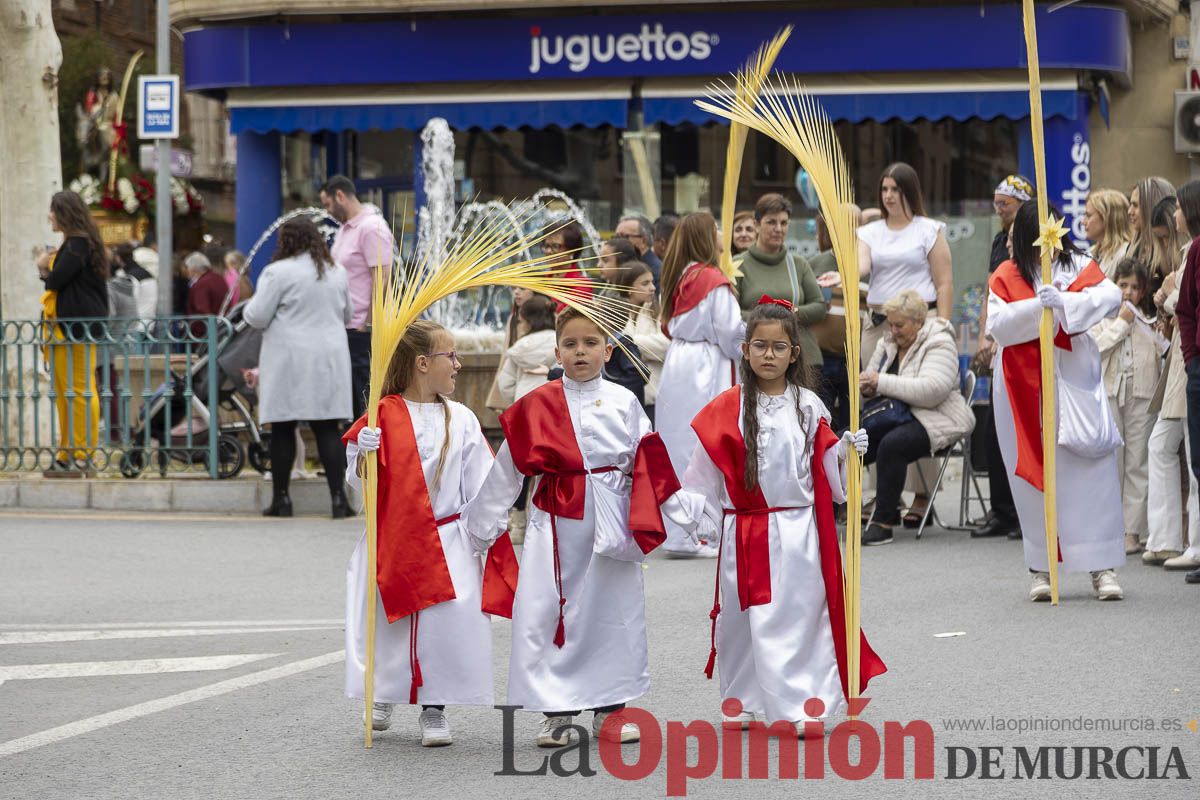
point(604, 484)
point(770, 469)
point(568, 240)
point(433, 637)
point(701, 317)
point(1090, 521)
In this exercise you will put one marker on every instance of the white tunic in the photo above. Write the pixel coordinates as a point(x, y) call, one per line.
point(774, 657)
point(1090, 520)
point(701, 363)
point(603, 660)
point(454, 638)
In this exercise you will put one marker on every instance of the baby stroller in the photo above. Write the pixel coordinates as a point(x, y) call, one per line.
point(169, 406)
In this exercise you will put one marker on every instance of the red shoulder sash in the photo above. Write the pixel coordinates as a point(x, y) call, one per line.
point(697, 281)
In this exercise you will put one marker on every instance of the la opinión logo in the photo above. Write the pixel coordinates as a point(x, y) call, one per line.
point(651, 44)
point(720, 749)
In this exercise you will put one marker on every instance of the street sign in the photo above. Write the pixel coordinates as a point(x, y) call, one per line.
point(181, 160)
point(158, 107)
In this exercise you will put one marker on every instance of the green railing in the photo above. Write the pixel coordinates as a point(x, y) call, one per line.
point(100, 395)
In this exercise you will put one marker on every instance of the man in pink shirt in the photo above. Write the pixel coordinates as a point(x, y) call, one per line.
point(362, 245)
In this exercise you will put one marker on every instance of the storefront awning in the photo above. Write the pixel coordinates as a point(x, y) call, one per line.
point(495, 113)
point(883, 106)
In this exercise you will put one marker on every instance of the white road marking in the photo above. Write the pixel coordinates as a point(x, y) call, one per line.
point(48, 637)
point(95, 723)
point(221, 623)
point(146, 666)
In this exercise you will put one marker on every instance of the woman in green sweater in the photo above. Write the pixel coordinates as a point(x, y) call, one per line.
point(768, 268)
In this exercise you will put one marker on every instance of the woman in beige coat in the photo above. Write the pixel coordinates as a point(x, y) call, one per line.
point(915, 362)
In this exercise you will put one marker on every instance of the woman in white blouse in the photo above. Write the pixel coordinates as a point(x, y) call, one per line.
point(904, 250)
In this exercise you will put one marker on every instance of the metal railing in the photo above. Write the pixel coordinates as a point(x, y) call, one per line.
point(94, 395)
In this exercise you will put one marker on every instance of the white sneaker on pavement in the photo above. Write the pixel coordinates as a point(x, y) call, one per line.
point(1105, 584)
point(381, 716)
point(743, 719)
point(1039, 592)
point(1181, 562)
point(556, 732)
point(628, 732)
point(435, 729)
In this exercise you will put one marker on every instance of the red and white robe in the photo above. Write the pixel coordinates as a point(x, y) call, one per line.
point(706, 331)
point(579, 618)
point(1090, 519)
point(779, 637)
point(433, 633)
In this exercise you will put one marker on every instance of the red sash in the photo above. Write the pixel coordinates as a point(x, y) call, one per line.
point(541, 440)
point(717, 428)
point(1022, 364)
point(411, 568)
point(695, 284)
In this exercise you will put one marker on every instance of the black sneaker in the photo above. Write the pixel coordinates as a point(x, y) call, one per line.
point(1192, 577)
point(876, 534)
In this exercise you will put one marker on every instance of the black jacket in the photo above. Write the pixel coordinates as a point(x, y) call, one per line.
point(81, 291)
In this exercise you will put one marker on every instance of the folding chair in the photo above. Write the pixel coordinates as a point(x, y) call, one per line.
point(962, 448)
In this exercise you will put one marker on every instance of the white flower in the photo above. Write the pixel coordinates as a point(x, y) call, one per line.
point(87, 187)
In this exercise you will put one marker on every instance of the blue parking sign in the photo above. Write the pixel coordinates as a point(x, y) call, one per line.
point(158, 107)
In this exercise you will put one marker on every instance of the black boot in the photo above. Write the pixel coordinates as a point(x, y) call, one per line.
point(281, 506)
point(341, 506)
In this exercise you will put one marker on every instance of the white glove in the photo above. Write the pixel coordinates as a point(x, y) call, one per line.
point(1050, 297)
point(856, 440)
point(368, 439)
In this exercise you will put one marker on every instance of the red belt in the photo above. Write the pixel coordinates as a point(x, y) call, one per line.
point(716, 609)
point(414, 662)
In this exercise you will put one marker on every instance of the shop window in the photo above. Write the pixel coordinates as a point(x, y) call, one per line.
point(304, 169)
point(680, 149)
point(546, 146)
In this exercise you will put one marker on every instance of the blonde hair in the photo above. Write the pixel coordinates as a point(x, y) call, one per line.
point(908, 303)
point(1150, 191)
point(1113, 209)
point(417, 341)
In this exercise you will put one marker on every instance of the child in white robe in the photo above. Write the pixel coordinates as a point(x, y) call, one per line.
point(579, 619)
point(770, 470)
point(437, 647)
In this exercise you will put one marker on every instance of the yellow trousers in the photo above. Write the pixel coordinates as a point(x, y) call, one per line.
point(75, 397)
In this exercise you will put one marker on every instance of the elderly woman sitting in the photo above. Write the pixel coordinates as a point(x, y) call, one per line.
point(916, 362)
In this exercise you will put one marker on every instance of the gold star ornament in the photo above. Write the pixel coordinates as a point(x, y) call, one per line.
point(1053, 232)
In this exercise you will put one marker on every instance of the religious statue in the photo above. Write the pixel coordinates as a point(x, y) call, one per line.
point(98, 119)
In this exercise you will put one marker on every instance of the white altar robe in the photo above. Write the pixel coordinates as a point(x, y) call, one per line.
point(604, 659)
point(701, 362)
point(454, 638)
point(1090, 519)
point(776, 656)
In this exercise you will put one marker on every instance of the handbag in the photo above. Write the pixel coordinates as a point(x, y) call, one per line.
point(1085, 423)
point(880, 415)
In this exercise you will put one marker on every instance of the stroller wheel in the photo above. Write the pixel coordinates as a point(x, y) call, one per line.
point(230, 456)
point(260, 454)
point(133, 463)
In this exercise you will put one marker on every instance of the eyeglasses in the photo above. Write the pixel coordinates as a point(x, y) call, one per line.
point(553, 247)
point(759, 348)
point(452, 355)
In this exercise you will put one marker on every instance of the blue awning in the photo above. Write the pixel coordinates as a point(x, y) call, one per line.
point(413, 116)
point(907, 106)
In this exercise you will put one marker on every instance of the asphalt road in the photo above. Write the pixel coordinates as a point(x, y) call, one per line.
point(199, 657)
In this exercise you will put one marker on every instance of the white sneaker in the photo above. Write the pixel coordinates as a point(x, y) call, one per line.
point(800, 727)
point(1039, 592)
point(1105, 584)
point(1181, 562)
point(435, 730)
point(743, 719)
point(556, 732)
point(381, 716)
point(627, 733)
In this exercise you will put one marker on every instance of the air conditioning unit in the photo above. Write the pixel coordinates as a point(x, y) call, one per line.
point(1187, 122)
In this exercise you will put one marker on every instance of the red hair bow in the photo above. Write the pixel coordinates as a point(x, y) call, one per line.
point(766, 300)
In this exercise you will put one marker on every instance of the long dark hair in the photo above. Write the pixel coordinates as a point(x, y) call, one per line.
point(798, 374)
point(630, 272)
point(909, 184)
point(299, 236)
point(74, 219)
point(1189, 204)
point(1025, 231)
point(695, 239)
point(1132, 268)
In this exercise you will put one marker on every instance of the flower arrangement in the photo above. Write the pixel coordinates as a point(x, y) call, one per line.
point(133, 194)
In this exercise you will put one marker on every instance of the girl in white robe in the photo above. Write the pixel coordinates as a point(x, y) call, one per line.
point(782, 650)
point(700, 314)
point(452, 638)
point(1090, 519)
point(584, 562)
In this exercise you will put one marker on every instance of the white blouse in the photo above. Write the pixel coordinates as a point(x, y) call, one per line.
point(900, 259)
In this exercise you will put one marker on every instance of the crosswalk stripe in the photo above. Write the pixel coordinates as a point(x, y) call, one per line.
point(145, 666)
